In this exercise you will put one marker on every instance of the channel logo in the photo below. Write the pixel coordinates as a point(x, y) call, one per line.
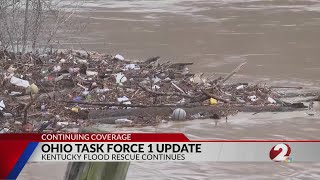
point(280, 153)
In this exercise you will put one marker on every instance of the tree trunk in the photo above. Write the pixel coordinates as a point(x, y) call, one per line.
point(96, 170)
point(25, 32)
point(37, 26)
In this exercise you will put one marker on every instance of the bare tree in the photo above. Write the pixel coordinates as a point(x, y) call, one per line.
point(27, 25)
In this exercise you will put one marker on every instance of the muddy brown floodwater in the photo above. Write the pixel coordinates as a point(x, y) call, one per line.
point(279, 40)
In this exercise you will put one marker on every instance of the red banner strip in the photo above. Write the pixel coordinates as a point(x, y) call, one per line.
point(118, 137)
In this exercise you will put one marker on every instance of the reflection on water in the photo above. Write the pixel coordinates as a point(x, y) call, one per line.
point(278, 39)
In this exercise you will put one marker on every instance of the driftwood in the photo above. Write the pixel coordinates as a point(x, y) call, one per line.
point(179, 66)
point(167, 111)
point(96, 170)
point(42, 96)
point(286, 87)
point(220, 80)
point(103, 90)
point(215, 97)
point(152, 59)
point(110, 120)
point(199, 98)
point(231, 74)
point(164, 93)
point(178, 88)
point(128, 105)
point(189, 105)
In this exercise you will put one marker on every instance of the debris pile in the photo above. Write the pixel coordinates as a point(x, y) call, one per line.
point(63, 89)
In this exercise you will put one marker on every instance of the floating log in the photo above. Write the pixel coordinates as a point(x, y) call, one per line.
point(43, 95)
point(286, 87)
point(231, 73)
point(167, 111)
point(151, 59)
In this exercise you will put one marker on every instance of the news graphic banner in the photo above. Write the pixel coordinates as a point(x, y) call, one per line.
point(18, 149)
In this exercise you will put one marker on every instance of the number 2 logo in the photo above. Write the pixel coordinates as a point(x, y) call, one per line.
point(280, 152)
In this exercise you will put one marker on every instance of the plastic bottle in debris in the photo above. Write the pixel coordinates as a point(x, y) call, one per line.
point(44, 71)
point(77, 98)
point(43, 108)
point(59, 78)
point(19, 82)
point(122, 121)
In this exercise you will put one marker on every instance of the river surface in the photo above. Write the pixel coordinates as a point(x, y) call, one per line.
point(279, 40)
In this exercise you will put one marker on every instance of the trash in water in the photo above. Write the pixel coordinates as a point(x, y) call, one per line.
point(77, 98)
point(131, 66)
point(197, 78)
point(98, 90)
point(86, 82)
point(240, 87)
point(213, 101)
point(196, 116)
point(7, 115)
point(56, 68)
point(14, 93)
point(4, 130)
point(88, 97)
point(271, 100)
point(84, 93)
point(2, 105)
point(164, 121)
point(61, 123)
point(120, 78)
point(11, 69)
point(156, 80)
point(240, 100)
point(62, 60)
point(19, 82)
point(74, 70)
point(253, 98)
point(44, 71)
point(43, 108)
point(33, 89)
point(179, 114)
point(155, 87)
point(183, 100)
point(59, 78)
point(123, 121)
point(18, 123)
point(119, 57)
point(124, 100)
point(91, 73)
point(81, 61)
point(75, 109)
